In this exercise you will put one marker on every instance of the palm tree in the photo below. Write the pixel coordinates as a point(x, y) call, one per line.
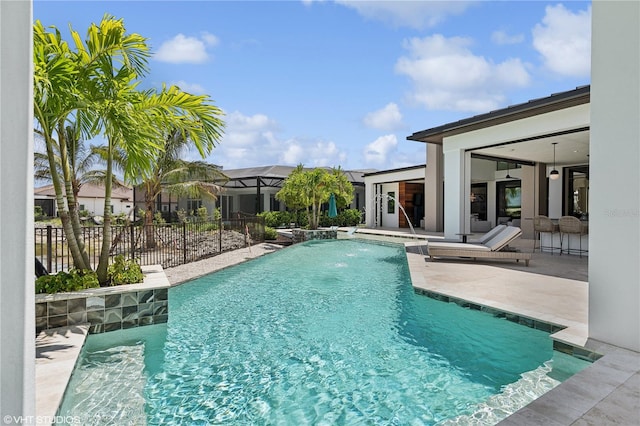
point(101, 93)
point(310, 189)
point(55, 73)
point(135, 121)
point(195, 179)
point(82, 159)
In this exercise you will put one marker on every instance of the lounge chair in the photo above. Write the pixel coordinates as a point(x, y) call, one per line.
point(482, 239)
point(494, 248)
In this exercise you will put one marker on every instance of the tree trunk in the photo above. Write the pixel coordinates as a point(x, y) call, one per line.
point(106, 227)
point(79, 261)
point(149, 198)
point(150, 236)
point(72, 199)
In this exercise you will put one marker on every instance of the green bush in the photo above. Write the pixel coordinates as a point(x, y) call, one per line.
point(202, 213)
point(158, 219)
point(270, 233)
point(277, 219)
point(38, 213)
point(349, 217)
point(123, 271)
point(74, 280)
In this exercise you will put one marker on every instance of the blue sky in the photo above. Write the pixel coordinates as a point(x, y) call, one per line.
point(337, 83)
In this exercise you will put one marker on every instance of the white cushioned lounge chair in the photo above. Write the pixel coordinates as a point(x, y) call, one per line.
point(494, 248)
point(482, 239)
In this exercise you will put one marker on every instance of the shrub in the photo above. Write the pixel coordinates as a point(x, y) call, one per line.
point(277, 219)
point(217, 214)
point(349, 217)
point(158, 219)
point(182, 215)
point(120, 218)
point(74, 280)
point(202, 213)
point(270, 233)
point(123, 271)
point(38, 213)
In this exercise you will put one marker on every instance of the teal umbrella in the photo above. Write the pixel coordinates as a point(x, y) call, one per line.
point(333, 210)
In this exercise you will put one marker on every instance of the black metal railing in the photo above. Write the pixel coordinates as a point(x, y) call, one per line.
point(165, 244)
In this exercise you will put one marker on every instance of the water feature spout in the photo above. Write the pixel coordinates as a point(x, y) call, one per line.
point(390, 197)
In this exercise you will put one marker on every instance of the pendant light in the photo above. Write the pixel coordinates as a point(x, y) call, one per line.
point(554, 173)
point(508, 170)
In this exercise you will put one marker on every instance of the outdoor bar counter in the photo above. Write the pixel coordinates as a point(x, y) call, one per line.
point(571, 243)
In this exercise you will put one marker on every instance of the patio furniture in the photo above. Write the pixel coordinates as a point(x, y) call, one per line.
point(570, 225)
point(544, 224)
point(495, 248)
point(487, 236)
point(479, 240)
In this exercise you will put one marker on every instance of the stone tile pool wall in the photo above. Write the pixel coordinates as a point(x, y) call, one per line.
point(108, 308)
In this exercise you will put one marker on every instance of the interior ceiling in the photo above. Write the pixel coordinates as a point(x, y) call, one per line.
point(572, 148)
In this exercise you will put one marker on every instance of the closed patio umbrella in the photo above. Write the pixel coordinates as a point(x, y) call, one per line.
point(333, 210)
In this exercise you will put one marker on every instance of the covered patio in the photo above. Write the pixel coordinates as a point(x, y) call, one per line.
point(512, 164)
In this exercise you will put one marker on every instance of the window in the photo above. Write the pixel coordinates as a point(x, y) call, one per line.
point(478, 200)
point(274, 204)
point(576, 187)
point(391, 202)
point(82, 207)
point(193, 205)
point(508, 199)
point(507, 165)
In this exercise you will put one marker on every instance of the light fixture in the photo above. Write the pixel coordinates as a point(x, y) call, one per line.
point(508, 170)
point(554, 173)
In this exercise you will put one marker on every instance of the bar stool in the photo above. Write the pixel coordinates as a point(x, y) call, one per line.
point(571, 225)
point(544, 224)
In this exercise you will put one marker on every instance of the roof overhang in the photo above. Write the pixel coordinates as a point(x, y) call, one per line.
point(555, 102)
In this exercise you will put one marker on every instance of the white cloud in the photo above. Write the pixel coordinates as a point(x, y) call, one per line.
point(501, 37)
point(414, 14)
point(385, 119)
point(447, 75)
point(251, 141)
point(564, 41)
point(377, 152)
point(192, 88)
point(209, 39)
point(186, 50)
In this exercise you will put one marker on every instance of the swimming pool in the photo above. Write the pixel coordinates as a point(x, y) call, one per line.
point(324, 332)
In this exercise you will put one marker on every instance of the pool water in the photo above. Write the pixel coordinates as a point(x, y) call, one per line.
point(324, 332)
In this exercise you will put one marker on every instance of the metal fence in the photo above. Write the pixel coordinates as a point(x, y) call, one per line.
point(166, 244)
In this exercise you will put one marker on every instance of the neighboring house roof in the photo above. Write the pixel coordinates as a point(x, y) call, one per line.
point(89, 190)
point(272, 176)
point(580, 95)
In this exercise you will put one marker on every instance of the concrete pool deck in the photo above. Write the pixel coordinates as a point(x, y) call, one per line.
point(552, 289)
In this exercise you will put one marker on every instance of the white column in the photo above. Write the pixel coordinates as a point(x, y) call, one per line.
point(528, 199)
point(433, 190)
point(614, 179)
point(17, 305)
point(454, 190)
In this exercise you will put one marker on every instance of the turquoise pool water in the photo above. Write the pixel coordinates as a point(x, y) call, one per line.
point(325, 332)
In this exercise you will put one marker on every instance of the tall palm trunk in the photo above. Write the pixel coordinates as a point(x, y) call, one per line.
point(79, 261)
point(150, 240)
point(106, 227)
point(72, 200)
